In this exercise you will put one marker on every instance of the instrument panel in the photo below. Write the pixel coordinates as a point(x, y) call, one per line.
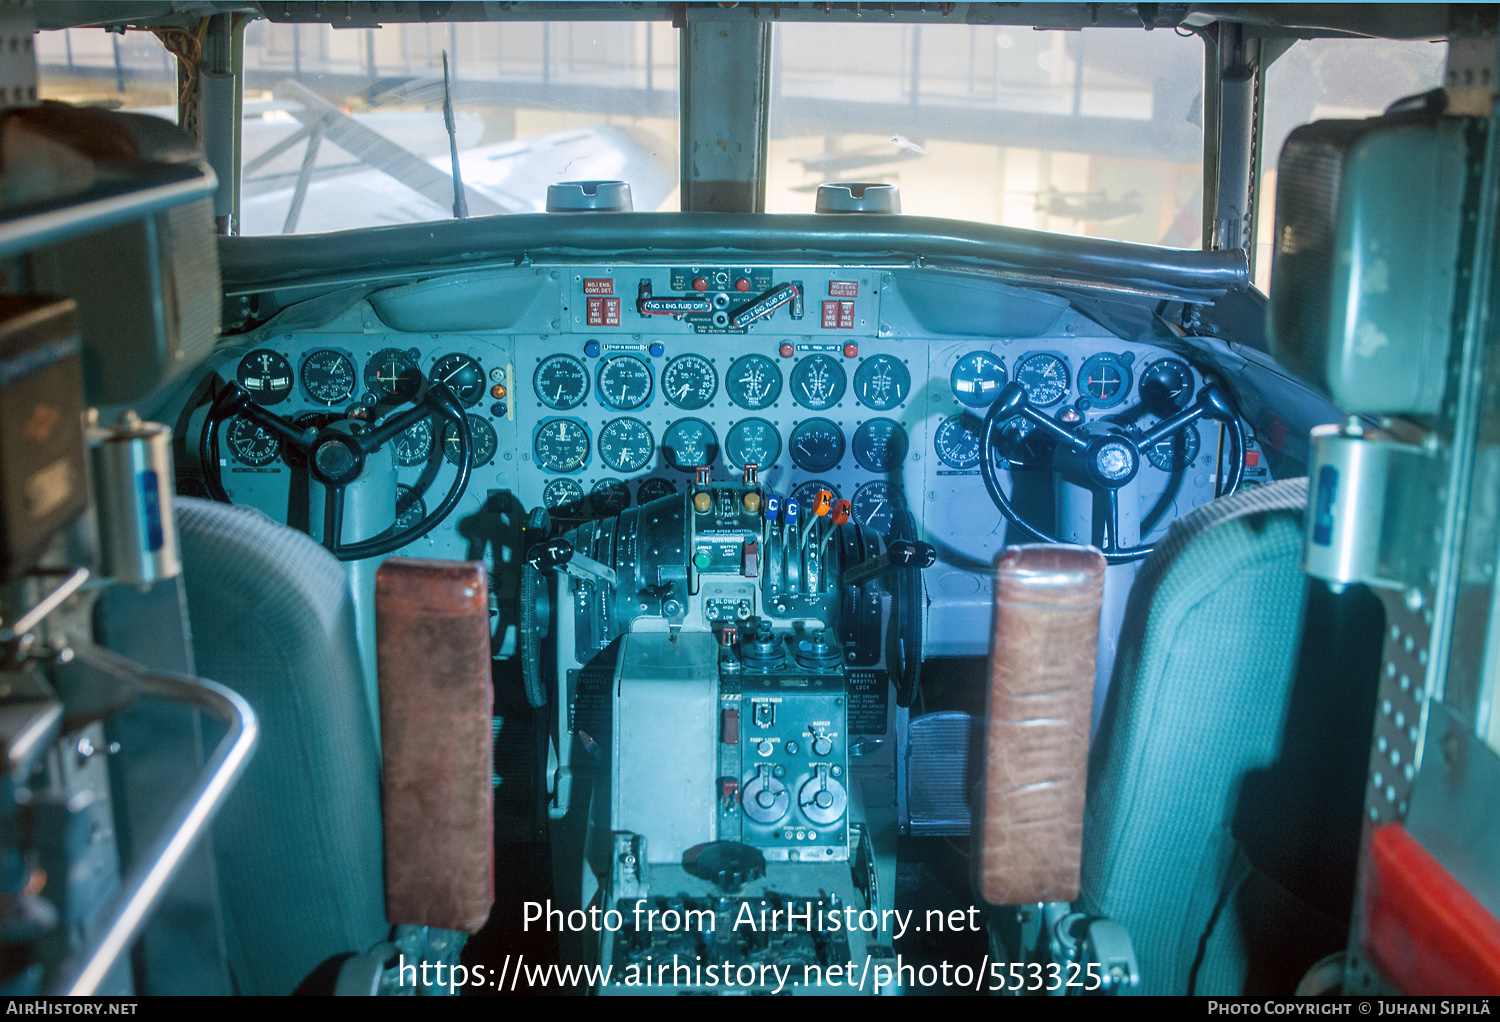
point(618, 383)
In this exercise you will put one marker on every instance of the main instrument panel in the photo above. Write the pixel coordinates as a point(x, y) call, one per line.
point(615, 383)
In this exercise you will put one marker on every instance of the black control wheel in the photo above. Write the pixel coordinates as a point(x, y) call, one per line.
point(1101, 462)
point(528, 628)
point(335, 459)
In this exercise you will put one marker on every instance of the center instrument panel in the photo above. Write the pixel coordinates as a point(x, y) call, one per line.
point(615, 382)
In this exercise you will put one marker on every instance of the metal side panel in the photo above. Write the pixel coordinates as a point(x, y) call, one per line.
point(666, 695)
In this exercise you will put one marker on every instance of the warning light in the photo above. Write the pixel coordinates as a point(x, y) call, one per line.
point(700, 283)
point(497, 391)
point(743, 284)
point(787, 349)
point(851, 349)
point(1252, 458)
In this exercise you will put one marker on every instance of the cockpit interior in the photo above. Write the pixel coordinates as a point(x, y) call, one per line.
point(776, 498)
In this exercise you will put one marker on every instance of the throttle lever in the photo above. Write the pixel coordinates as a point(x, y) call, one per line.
point(559, 555)
point(900, 553)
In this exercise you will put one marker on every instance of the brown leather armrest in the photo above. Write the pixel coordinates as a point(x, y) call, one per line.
point(432, 626)
point(1041, 684)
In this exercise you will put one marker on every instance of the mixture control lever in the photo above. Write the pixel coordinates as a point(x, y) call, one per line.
point(558, 555)
point(901, 553)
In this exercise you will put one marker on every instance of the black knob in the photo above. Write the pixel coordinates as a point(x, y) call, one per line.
point(728, 865)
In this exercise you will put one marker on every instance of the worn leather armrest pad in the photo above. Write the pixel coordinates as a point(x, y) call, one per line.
point(1041, 684)
point(432, 627)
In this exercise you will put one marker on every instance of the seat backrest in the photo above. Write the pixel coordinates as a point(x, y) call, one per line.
point(1222, 818)
point(298, 843)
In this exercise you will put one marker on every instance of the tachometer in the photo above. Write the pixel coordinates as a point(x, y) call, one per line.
point(561, 445)
point(392, 376)
point(882, 382)
point(753, 382)
point(624, 383)
point(561, 382)
point(252, 443)
point(463, 375)
point(1166, 387)
point(817, 445)
point(752, 442)
point(818, 382)
point(654, 489)
point(879, 445)
point(977, 377)
point(609, 497)
point(328, 376)
point(1045, 378)
point(689, 382)
point(1175, 451)
point(1104, 379)
point(414, 443)
point(626, 445)
point(875, 503)
point(688, 444)
point(267, 375)
point(483, 435)
point(957, 441)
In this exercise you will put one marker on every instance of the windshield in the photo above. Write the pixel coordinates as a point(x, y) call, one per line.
point(1097, 132)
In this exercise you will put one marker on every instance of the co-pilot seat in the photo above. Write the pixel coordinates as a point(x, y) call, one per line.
point(298, 843)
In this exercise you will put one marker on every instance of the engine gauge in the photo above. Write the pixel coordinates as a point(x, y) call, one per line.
point(561, 382)
point(1104, 379)
point(882, 382)
point(1024, 445)
point(654, 489)
point(563, 496)
point(817, 445)
point(753, 382)
point(609, 497)
point(818, 382)
point(806, 494)
point(561, 445)
point(957, 441)
point(251, 443)
point(689, 382)
point(977, 377)
point(328, 377)
point(625, 445)
point(392, 376)
point(1045, 378)
point(688, 444)
point(463, 375)
point(414, 443)
point(483, 435)
point(752, 442)
point(1175, 451)
point(410, 507)
point(624, 383)
point(879, 445)
point(1166, 387)
point(267, 375)
point(875, 503)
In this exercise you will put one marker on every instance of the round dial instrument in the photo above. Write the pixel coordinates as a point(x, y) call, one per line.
point(689, 443)
point(957, 441)
point(561, 445)
point(414, 443)
point(689, 382)
point(609, 497)
point(328, 376)
point(410, 507)
point(753, 382)
point(1025, 446)
point(561, 382)
point(1166, 387)
point(1104, 379)
point(463, 375)
point(874, 504)
point(976, 378)
point(818, 382)
point(806, 494)
point(654, 489)
point(267, 375)
point(879, 445)
point(1045, 377)
point(817, 445)
point(251, 443)
point(392, 376)
point(483, 435)
point(564, 496)
point(882, 382)
point(1175, 451)
point(752, 442)
point(625, 445)
point(624, 383)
